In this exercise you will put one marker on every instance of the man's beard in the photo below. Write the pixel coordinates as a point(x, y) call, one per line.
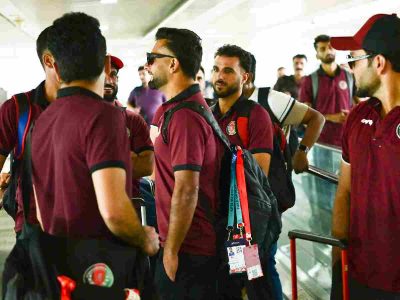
point(227, 92)
point(328, 59)
point(368, 91)
point(111, 97)
point(157, 82)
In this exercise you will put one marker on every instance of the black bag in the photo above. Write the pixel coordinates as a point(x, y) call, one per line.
point(280, 169)
point(101, 269)
point(263, 209)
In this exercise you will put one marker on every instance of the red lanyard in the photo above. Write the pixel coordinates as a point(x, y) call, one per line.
point(241, 183)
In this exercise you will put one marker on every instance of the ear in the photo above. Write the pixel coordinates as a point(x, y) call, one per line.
point(48, 60)
point(174, 65)
point(382, 64)
point(245, 77)
point(107, 65)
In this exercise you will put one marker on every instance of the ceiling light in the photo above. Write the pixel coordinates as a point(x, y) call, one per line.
point(108, 1)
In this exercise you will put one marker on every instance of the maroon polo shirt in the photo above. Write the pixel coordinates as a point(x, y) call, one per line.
point(139, 140)
point(260, 130)
point(333, 96)
point(71, 140)
point(371, 145)
point(9, 138)
point(192, 145)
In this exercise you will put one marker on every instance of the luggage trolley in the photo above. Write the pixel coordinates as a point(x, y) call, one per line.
point(308, 236)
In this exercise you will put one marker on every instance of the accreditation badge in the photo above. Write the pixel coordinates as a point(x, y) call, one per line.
point(236, 261)
point(252, 261)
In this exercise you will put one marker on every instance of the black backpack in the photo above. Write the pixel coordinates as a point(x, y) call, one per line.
point(264, 215)
point(280, 170)
point(24, 108)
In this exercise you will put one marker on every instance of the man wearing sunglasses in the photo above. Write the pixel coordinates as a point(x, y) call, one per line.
point(144, 99)
point(328, 90)
point(367, 204)
point(186, 167)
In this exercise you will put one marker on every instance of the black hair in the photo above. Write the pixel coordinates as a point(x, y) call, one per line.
point(280, 68)
point(393, 59)
point(141, 68)
point(301, 56)
point(186, 46)
point(253, 67)
point(202, 69)
point(42, 44)
point(321, 38)
point(78, 47)
point(236, 51)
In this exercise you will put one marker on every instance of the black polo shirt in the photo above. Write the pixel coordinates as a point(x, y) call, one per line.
point(76, 136)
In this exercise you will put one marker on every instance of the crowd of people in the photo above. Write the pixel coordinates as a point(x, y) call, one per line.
point(89, 153)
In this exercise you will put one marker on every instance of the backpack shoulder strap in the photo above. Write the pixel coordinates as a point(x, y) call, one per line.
point(243, 109)
point(350, 84)
point(201, 110)
point(263, 101)
point(24, 114)
point(314, 85)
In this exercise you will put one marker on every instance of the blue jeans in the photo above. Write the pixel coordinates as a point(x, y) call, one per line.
point(273, 274)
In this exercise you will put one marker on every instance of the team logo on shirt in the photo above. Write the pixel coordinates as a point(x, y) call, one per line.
point(99, 274)
point(231, 128)
point(398, 131)
point(343, 84)
point(367, 122)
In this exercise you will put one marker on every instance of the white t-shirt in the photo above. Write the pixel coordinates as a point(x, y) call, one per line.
point(286, 109)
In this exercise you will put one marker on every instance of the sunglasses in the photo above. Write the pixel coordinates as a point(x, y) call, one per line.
point(151, 57)
point(351, 60)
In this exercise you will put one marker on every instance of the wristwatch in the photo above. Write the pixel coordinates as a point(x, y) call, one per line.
point(303, 148)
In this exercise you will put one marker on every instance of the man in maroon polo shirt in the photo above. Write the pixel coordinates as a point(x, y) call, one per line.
point(142, 150)
point(40, 98)
point(333, 94)
point(187, 168)
point(367, 204)
point(80, 164)
point(230, 72)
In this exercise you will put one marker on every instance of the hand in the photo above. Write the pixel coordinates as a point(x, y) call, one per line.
point(170, 262)
point(4, 181)
point(339, 117)
point(152, 244)
point(300, 162)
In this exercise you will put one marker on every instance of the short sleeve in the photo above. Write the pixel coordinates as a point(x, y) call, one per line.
point(132, 98)
point(280, 104)
point(8, 127)
point(305, 94)
point(107, 146)
point(296, 114)
point(345, 140)
point(139, 134)
point(260, 131)
point(188, 134)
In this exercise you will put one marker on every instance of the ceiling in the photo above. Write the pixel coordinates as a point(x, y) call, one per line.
point(274, 30)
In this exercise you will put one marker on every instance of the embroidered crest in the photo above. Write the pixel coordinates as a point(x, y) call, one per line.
point(398, 131)
point(343, 84)
point(99, 274)
point(231, 128)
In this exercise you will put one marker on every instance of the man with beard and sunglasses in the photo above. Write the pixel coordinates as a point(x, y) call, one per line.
point(367, 204)
point(142, 150)
point(187, 168)
point(328, 90)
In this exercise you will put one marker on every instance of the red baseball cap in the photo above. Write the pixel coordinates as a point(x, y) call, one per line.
point(116, 62)
point(380, 35)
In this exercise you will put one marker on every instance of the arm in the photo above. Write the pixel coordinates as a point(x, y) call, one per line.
point(183, 206)
point(118, 212)
point(341, 209)
point(264, 160)
point(315, 122)
point(142, 163)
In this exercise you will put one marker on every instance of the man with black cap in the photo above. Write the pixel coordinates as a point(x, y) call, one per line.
point(367, 204)
point(142, 150)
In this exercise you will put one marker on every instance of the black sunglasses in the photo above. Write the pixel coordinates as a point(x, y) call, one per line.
point(351, 60)
point(151, 57)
